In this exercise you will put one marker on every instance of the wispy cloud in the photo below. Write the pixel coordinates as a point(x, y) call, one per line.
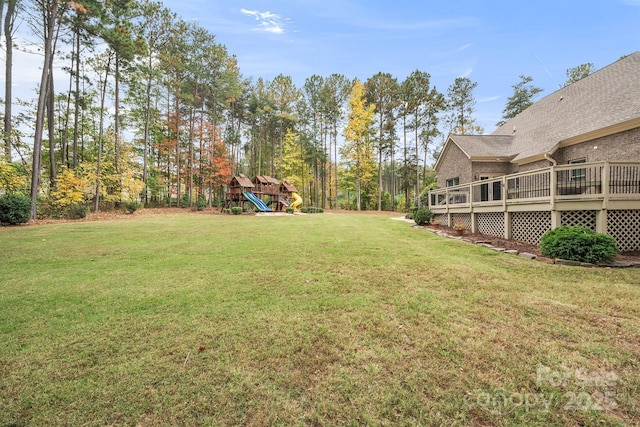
point(461, 48)
point(267, 21)
point(488, 99)
point(467, 72)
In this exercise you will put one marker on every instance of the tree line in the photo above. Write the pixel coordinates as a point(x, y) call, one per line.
point(155, 111)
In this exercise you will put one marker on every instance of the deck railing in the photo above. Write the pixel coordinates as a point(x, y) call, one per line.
point(582, 181)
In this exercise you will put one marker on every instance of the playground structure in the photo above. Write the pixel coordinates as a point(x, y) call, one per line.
point(263, 193)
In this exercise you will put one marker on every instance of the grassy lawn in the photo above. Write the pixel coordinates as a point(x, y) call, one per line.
point(199, 319)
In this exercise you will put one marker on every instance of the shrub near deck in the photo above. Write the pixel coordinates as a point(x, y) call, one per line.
point(578, 244)
point(199, 319)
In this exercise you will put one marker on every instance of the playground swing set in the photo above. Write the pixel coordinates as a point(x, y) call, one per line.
point(263, 193)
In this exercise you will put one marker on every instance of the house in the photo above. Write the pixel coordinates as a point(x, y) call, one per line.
point(572, 158)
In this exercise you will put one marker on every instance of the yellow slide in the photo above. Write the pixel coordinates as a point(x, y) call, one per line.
point(297, 201)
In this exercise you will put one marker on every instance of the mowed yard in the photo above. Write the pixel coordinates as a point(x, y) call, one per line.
point(328, 319)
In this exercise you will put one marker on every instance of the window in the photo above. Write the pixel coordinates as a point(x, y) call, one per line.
point(577, 174)
point(453, 181)
point(496, 190)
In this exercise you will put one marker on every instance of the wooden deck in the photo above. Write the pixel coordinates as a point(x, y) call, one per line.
point(604, 196)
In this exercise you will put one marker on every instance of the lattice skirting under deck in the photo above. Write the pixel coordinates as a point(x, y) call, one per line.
point(464, 218)
point(624, 226)
point(442, 218)
point(491, 223)
point(530, 226)
point(578, 218)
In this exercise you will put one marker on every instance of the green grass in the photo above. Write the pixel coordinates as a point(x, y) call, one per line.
point(199, 319)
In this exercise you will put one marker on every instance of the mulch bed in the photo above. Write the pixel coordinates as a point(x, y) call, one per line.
point(521, 246)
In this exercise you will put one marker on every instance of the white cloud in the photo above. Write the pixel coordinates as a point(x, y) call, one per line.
point(489, 99)
point(467, 72)
point(267, 21)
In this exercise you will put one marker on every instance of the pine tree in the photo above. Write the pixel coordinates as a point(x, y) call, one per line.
point(522, 98)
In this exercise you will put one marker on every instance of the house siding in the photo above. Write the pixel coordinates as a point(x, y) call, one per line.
point(619, 147)
point(532, 166)
point(454, 164)
point(489, 168)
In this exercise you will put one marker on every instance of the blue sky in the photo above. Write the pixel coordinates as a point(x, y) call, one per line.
point(491, 42)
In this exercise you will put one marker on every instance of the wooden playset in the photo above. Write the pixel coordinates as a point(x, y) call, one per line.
point(263, 193)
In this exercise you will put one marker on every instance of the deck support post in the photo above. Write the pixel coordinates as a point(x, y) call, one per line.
point(601, 221)
point(508, 225)
point(556, 219)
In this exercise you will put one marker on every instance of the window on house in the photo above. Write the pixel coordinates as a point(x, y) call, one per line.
point(577, 174)
point(453, 181)
point(496, 190)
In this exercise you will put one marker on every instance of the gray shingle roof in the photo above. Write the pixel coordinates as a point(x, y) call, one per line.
point(484, 145)
point(607, 97)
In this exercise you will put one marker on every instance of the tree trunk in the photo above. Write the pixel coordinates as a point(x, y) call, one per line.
point(49, 15)
point(116, 121)
point(380, 163)
point(8, 35)
point(51, 129)
point(417, 162)
point(76, 113)
point(146, 138)
point(103, 95)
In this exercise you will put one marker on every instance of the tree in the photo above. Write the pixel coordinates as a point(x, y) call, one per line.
point(313, 110)
point(358, 151)
point(422, 105)
point(578, 73)
point(383, 91)
point(156, 18)
point(461, 104)
point(522, 98)
point(292, 160)
point(9, 21)
point(49, 14)
point(334, 94)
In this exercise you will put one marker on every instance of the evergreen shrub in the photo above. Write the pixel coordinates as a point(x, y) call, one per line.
point(236, 210)
point(201, 203)
point(578, 244)
point(77, 211)
point(14, 209)
point(423, 216)
point(132, 206)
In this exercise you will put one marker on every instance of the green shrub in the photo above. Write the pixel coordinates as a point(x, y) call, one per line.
point(311, 210)
point(226, 210)
point(236, 210)
point(14, 209)
point(289, 209)
point(184, 201)
point(578, 244)
point(423, 216)
point(201, 203)
point(132, 206)
point(77, 211)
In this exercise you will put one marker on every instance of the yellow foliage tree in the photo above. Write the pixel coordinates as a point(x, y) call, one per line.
point(358, 150)
point(292, 158)
point(10, 179)
point(70, 190)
